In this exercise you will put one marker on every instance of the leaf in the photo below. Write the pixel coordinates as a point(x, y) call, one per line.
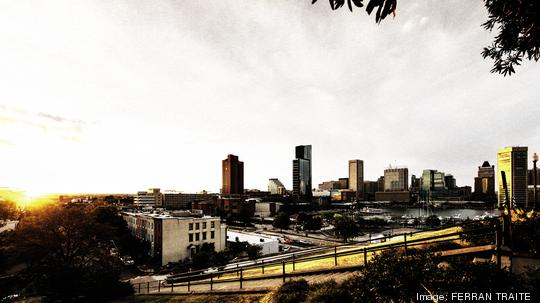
point(371, 5)
point(349, 4)
point(387, 8)
point(378, 15)
point(358, 3)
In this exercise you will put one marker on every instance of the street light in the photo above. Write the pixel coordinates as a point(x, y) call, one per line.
point(535, 176)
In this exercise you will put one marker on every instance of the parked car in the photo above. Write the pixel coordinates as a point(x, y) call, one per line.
point(211, 270)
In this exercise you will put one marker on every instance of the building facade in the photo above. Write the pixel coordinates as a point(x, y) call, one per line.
point(513, 161)
point(176, 236)
point(275, 187)
point(484, 183)
point(302, 172)
point(152, 197)
point(233, 175)
point(342, 183)
point(356, 178)
point(432, 180)
point(269, 245)
point(178, 200)
point(370, 188)
point(396, 179)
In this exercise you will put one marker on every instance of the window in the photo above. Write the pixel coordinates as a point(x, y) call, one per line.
point(197, 237)
point(190, 226)
point(261, 240)
point(190, 237)
point(197, 226)
point(213, 224)
point(204, 236)
point(204, 225)
point(212, 235)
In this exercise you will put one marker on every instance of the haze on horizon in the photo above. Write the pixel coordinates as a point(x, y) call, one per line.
point(120, 96)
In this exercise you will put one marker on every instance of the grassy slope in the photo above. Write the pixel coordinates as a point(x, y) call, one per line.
point(195, 299)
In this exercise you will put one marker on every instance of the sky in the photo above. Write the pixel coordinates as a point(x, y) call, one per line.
point(120, 96)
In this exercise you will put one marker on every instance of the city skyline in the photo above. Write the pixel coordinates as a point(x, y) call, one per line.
point(119, 97)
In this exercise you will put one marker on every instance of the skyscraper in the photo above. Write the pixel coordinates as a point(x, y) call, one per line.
point(233, 176)
point(356, 178)
point(396, 179)
point(484, 184)
point(513, 161)
point(302, 172)
point(432, 180)
point(275, 187)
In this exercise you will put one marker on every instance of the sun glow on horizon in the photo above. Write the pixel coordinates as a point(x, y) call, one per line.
point(26, 199)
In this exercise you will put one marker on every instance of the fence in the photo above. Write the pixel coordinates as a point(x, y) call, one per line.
point(280, 270)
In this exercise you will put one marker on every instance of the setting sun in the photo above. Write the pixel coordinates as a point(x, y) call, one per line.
point(26, 199)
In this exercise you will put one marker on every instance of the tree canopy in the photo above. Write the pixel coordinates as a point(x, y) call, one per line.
point(517, 23)
point(282, 221)
point(393, 276)
point(345, 227)
point(67, 253)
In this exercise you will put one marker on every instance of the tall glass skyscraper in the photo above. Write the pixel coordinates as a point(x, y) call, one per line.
point(302, 172)
point(513, 161)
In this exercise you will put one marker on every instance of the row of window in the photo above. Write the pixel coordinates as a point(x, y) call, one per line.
point(197, 225)
point(197, 236)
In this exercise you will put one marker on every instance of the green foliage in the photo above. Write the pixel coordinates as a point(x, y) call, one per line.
point(391, 276)
point(395, 277)
point(254, 252)
point(208, 257)
point(8, 210)
point(68, 255)
point(384, 7)
point(526, 235)
point(345, 227)
point(433, 221)
point(518, 24)
point(309, 222)
point(282, 221)
point(293, 291)
point(327, 292)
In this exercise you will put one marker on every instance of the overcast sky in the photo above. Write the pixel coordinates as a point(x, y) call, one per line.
point(119, 96)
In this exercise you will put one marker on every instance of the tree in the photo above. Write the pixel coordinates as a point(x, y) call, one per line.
point(282, 221)
point(8, 210)
point(393, 276)
point(433, 221)
point(384, 7)
point(345, 227)
point(254, 252)
point(68, 255)
point(312, 223)
point(120, 234)
point(518, 23)
point(292, 291)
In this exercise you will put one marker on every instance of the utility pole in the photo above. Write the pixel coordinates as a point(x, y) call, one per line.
point(535, 177)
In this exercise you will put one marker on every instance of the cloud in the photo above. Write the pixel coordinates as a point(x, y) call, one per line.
point(160, 92)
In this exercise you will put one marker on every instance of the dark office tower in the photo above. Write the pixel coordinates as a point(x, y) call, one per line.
point(513, 161)
point(233, 176)
point(302, 172)
point(356, 178)
point(485, 182)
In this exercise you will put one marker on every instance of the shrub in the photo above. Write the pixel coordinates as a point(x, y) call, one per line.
point(327, 292)
point(294, 291)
